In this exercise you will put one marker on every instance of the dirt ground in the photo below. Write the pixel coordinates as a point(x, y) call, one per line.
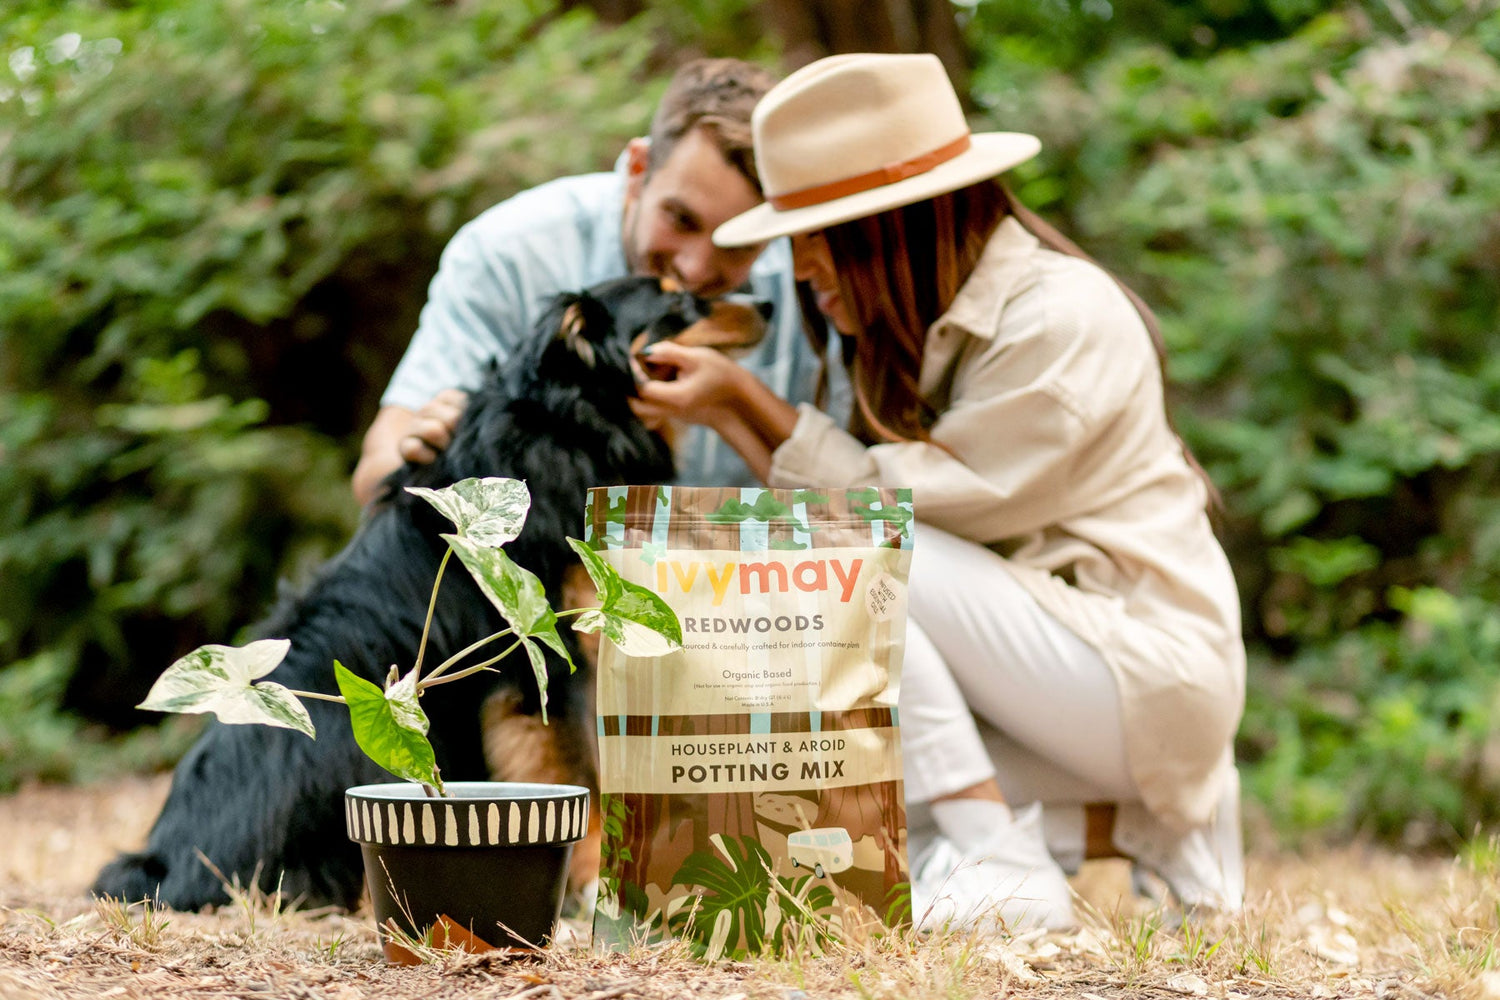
point(1352, 923)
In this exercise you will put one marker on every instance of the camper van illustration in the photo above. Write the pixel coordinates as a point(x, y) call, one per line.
point(825, 850)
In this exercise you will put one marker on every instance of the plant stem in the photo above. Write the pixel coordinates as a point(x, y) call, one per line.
point(442, 668)
point(318, 697)
point(433, 679)
point(431, 607)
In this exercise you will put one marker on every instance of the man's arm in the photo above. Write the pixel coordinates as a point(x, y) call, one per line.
point(400, 435)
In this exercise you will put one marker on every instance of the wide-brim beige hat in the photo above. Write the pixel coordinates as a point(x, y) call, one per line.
point(853, 135)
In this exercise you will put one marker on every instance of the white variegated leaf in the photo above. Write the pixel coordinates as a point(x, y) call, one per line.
point(221, 680)
point(488, 512)
point(635, 619)
point(633, 638)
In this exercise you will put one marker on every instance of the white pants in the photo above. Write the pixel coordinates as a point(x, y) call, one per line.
point(994, 686)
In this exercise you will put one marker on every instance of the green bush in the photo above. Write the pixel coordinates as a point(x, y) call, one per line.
point(1314, 220)
point(218, 227)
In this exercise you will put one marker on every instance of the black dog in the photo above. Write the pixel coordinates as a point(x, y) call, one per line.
point(265, 805)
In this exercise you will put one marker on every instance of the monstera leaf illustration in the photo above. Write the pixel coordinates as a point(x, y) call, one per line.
point(736, 884)
point(729, 916)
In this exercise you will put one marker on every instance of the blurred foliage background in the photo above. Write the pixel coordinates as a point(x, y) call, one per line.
point(220, 218)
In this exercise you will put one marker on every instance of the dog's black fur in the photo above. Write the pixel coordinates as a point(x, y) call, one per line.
point(266, 805)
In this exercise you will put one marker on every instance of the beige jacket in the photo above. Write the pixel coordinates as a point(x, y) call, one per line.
point(1049, 394)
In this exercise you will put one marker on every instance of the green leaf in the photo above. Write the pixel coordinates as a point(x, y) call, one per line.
point(632, 617)
point(520, 597)
point(390, 726)
point(487, 511)
point(220, 679)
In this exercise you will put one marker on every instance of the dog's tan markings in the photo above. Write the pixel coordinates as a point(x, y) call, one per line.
point(578, 592)
point(571, 331)
point(729, 327)
point(520, 747)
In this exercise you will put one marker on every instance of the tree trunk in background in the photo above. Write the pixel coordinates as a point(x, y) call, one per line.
point(812, 29)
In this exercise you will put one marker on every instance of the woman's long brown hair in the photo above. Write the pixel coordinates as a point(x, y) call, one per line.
point(899, 271)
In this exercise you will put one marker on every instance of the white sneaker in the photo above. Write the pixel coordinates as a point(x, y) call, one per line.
point(1204, 867)
point(1010, 879)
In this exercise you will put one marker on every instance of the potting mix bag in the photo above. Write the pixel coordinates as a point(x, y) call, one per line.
point(751, 781)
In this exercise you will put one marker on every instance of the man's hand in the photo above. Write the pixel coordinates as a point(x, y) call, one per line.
point(400, 435)
point(431, 428)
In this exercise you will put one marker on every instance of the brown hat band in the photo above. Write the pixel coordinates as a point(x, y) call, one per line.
point(888, 174)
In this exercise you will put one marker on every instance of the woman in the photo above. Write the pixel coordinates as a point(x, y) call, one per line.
point(1074, 627)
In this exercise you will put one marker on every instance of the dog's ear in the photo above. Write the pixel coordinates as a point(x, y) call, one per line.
point(579, 325)
point(571, 332)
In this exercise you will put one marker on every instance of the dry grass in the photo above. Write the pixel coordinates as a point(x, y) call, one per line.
point(1353, 923)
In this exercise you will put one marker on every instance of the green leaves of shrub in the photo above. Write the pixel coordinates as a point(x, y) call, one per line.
point(1312, 219)
point(218, 223)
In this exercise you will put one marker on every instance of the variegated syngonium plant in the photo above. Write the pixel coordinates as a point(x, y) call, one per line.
point(389, 725)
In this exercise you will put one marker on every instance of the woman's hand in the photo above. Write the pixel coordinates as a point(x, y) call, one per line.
point(696, 385)
point(702, 386)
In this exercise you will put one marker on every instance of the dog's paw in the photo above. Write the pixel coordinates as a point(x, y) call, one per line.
point(131, 878)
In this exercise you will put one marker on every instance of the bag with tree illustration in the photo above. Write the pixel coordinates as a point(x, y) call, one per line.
point(751, 781)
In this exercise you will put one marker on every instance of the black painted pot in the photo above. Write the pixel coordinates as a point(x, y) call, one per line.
point(484, 868)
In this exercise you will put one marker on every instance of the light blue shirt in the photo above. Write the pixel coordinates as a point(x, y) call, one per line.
point(499, 271)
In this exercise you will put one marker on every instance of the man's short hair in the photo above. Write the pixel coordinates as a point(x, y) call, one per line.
point(716, 96)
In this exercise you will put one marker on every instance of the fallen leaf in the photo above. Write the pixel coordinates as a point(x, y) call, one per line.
point(1186, 982)
point(1014, 966)
point(1338, 947)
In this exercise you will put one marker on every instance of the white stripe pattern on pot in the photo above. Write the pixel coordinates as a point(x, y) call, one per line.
point(456, 823)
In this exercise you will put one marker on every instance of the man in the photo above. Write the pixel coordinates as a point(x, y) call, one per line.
point(655, 214)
